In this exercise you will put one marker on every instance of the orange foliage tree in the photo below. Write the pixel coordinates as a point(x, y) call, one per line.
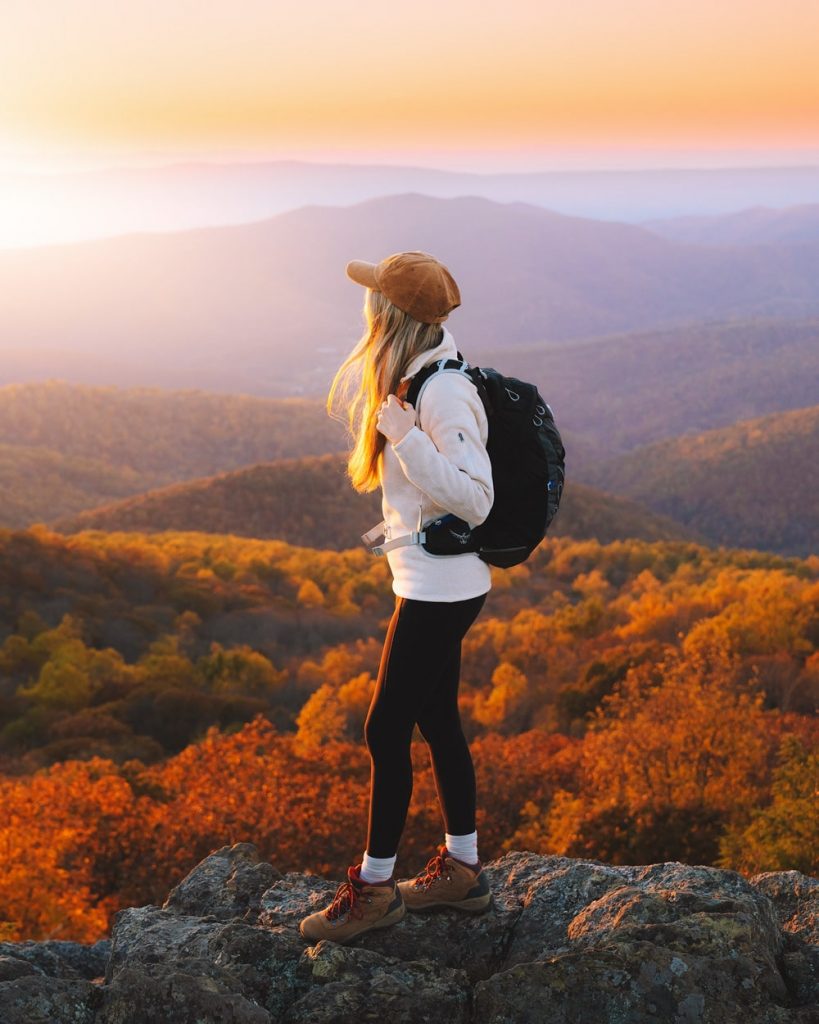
point(670, 758)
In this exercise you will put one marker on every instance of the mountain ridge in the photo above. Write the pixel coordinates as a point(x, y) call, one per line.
point(309, 501)
point(716, 481)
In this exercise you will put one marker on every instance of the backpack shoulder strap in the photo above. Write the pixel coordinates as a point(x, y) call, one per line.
point(403, 388)
point(416, 385)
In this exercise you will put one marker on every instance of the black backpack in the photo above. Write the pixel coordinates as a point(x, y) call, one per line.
point(528, 468)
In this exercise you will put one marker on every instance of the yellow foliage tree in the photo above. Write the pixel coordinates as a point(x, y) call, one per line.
point(506, 707)
point(310, 595)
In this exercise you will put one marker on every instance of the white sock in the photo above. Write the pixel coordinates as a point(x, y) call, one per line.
point(465, 848)
point(377, 869)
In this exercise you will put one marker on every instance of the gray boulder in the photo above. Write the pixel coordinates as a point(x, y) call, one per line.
point(564, 942)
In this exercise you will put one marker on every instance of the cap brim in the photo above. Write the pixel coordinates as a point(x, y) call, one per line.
point(362, 272)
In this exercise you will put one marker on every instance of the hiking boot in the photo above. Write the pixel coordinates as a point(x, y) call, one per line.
point(447, 882)
point(357, 907)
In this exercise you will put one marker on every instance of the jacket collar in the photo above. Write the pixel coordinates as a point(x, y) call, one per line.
point(445, 349)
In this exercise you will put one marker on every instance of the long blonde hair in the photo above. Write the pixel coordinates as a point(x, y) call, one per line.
point(371, 371)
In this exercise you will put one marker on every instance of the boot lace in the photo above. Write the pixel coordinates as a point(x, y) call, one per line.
point(346, 899)
point(435, 867)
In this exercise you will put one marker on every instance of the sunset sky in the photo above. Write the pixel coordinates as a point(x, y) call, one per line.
point(452, 84)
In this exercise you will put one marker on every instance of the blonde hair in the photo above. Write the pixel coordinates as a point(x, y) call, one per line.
point(373, 370)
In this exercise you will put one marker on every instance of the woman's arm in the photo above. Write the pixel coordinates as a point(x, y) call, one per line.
point(447, 459)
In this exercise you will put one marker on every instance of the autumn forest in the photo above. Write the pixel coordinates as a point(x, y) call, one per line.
point(163, 694)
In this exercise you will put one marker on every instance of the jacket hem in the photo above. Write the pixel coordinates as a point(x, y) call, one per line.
point(400, 592)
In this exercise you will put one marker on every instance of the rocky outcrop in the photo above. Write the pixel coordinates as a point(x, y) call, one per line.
point(564, 942)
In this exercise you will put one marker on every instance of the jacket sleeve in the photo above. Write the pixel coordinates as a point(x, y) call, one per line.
point(446, 458)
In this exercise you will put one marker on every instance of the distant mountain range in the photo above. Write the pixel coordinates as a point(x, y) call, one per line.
point(267, 309)
point(56, 208)
point(310, 502)
point(616, 393)
point(752, 484)
point(758, 225)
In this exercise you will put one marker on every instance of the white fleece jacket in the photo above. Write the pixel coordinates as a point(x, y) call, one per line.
point(440, 465)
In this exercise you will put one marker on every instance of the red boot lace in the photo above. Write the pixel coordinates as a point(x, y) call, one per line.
point(435, 867)
point(346, 898)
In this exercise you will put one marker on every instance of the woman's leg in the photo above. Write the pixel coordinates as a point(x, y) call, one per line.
point(421, 653)
point(439, 722)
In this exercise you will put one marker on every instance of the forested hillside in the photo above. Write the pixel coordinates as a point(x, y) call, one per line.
point(753, 484)
point(65, 448)
point(616, 393)
point(310, 501)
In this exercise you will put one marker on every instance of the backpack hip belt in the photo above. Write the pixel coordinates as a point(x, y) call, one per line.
point(444, 535)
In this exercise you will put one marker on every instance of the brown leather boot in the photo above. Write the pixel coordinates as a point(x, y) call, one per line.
point(357, 907)
point(447, 882)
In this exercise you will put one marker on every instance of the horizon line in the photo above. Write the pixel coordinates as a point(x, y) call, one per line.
point(137, 162)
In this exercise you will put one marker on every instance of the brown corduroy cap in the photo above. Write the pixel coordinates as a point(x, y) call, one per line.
point(413, 281)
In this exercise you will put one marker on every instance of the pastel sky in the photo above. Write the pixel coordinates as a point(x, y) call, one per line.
point(436, 82)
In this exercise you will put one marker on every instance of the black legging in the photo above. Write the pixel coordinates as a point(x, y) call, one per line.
point(418, 682)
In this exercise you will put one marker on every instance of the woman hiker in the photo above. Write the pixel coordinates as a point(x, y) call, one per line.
point(425, 467)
